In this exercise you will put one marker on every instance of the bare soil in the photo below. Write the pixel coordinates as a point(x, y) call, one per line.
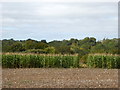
point(59, 78)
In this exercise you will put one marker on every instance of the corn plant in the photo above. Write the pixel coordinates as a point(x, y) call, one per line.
point(103, 61)
point(39, 61)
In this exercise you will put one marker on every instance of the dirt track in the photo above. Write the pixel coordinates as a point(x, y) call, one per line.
point(60, 78)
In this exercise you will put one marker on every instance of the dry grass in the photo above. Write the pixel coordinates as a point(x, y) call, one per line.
point(10, 53)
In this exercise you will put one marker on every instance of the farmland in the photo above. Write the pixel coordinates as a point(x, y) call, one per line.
point(19, 60)
point(103, 61)
point(59, 44)
point(59, 71)
point(60, 78)
point(39, 61)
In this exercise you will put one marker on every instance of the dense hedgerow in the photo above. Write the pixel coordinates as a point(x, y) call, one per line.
point(103, 61)
point(39, 61)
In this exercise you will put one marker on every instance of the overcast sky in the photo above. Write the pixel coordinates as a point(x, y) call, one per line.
point(59, 20)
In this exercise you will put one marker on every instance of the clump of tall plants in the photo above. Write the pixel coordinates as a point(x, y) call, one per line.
point(103, 61)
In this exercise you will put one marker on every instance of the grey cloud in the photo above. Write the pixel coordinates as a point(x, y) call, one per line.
point(38, 19)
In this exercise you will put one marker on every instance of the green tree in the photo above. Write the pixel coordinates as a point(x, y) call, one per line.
point(17, 47)
point(50, 50)
point(30, 44)
point(41, 45)
point(74, 48)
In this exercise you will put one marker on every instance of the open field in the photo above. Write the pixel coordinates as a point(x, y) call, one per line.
point(60, 78)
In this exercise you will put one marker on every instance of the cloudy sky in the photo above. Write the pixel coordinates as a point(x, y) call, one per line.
point(59, 20)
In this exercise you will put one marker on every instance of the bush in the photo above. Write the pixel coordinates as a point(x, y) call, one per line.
point(39, 51)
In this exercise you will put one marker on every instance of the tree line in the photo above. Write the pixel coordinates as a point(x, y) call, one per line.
point(72, 46)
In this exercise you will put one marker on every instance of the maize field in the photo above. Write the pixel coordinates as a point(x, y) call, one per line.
point(103, 61)
point(59, 61)
point(39, 61)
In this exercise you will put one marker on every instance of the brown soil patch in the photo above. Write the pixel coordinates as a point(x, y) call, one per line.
point(59, 78)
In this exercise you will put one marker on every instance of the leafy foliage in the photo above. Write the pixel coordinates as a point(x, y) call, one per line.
point(103, 61)
point(39, 61)
point(72, 46)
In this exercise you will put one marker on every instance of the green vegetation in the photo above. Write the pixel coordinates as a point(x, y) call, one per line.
point(103, 61)
point(39, 61)
point(16, 60)
point(72, 46)
point(61, 53)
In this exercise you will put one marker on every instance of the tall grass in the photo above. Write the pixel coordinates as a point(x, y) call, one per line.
point(39, 61)
point(103, 61)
